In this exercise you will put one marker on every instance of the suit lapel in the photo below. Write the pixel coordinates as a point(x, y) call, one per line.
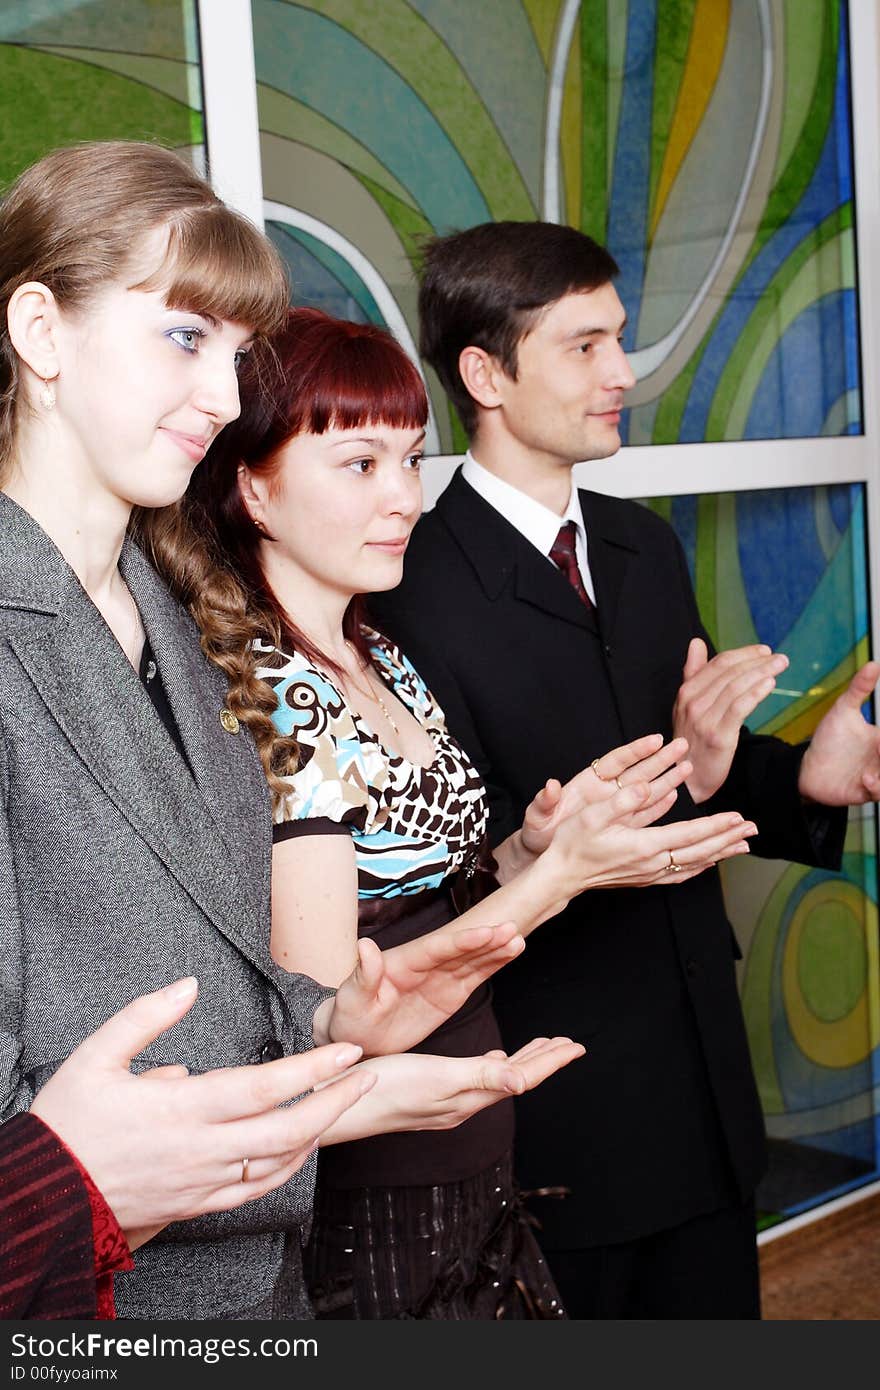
point(540, 583)
point(503, 557)
point(98, 702)
point(226, 767)
point(611, 547)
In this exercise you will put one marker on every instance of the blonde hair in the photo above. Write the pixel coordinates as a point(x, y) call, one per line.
point(77, 219)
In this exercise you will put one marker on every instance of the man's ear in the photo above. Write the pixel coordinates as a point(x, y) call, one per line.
point(32, 319)
point(479, 372)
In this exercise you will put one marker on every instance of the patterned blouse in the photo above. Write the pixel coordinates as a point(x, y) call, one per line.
point(412, 826)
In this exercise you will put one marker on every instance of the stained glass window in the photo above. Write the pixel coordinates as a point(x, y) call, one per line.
point(789, 567)
point(706, 142)
point(97, 71)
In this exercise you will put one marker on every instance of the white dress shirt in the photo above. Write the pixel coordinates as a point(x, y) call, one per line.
point(532, 519)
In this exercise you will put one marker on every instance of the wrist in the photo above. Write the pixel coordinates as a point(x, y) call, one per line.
point(513, 857)
point(553, 879)
point(322, 1022)
point(696, 791)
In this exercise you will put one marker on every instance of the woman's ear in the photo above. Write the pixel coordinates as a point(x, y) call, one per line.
point(251, 491)
point(33, 321)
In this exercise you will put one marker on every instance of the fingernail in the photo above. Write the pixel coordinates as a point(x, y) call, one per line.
point(182, 989)
point(348, 1055)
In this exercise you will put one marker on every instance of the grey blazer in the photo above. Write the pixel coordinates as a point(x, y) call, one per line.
point(120, 871)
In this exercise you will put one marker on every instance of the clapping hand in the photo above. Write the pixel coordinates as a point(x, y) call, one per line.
point(599, 846)
point(715, 698)
point(395, 998)
point(420, 1091)
point(841, 767)
point(661, 766)
point(164, 1145)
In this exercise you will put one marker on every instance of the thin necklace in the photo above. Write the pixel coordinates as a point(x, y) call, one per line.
point(370, 693)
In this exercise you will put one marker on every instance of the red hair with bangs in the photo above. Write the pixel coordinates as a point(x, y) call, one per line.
point(318, 373)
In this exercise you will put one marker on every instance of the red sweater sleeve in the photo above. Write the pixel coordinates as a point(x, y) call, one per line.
point(110, 1247)
point(56, 1242)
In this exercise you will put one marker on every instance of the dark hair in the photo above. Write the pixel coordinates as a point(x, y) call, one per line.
point(486, 286)
point(318, 373)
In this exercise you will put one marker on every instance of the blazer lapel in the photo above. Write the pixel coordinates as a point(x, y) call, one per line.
point(502, 556)
point(226, 767)
point(98, 702)
point(611, 547)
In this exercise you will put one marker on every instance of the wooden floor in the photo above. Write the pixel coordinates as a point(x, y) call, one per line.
point(827, 1270)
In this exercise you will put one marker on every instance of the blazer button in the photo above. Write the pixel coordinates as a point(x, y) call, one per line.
point(271, 1051)
point(229, 721)
point(608, 650)
point(693, 969)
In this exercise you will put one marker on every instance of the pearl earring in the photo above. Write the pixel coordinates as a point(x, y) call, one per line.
point(47, 395)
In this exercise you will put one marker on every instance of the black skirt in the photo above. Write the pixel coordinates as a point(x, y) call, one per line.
point(454, 1251)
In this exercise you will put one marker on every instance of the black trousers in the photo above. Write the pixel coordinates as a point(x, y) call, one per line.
point(705, 1268)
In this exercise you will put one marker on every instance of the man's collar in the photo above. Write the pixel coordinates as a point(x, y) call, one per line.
point(539, 524)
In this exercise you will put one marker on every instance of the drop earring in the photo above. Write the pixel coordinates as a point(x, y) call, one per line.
point(47, 395)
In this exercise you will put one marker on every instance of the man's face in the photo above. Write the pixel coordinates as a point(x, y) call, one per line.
point(572, 372)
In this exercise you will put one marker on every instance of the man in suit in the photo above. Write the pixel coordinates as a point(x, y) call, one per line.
point(553, 625)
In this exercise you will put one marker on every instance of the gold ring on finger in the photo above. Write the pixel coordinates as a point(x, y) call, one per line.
point(672, 866)
point(245, 1164)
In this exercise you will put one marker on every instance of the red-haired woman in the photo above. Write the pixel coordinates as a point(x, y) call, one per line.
point(380, 819)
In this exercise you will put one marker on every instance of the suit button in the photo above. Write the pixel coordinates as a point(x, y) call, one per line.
point(693, 969)
point(271, 1051)
point(608, 650)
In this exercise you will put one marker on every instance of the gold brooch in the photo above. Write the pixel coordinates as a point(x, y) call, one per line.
point(229, 721)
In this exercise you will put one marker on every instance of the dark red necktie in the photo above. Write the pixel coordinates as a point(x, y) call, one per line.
point(564, 557)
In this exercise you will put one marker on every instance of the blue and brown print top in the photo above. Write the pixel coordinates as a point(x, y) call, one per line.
point(411, 826)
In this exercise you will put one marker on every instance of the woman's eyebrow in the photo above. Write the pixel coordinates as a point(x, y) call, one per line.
point(359, 439)
point(210, 319)
point(372, 443)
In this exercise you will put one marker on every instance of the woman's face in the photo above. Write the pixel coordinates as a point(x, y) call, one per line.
point(142, 390)
point(341, 506)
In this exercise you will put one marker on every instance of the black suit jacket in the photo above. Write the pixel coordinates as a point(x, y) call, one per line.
point(661, 1120)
